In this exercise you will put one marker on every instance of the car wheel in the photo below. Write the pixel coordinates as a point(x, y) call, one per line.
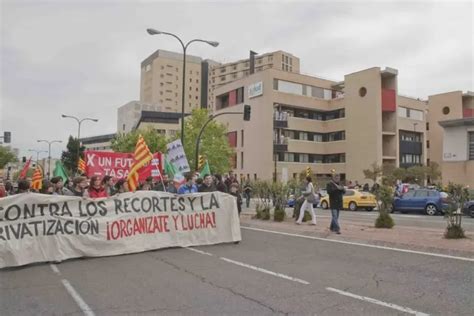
point(471, 211)
point(369, 209)
point(324, 205)
point(353, 206)
point(431, 209)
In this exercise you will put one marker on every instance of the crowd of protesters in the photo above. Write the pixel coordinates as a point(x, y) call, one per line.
point(101, 187)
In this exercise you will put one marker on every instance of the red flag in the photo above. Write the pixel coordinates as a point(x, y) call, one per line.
point(25, 169)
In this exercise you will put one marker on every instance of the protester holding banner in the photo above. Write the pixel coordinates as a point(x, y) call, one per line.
point(207, 185)
point(220, 185)
point(170, 187)
point(23, 186)
point(108, 183)
point(79, 185)
point(59, 188)
point(121, 186)
point(47, 187)
point(96, 189)
point(189, 186)
point(234, 191)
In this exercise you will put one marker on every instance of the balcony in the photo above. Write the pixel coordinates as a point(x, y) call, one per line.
point(407, 147)
point(467, 112)
point(280, 146)
point(280, 119)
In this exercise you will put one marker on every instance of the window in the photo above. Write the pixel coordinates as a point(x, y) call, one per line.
point(303, 136)
point(232, 137)
point(318, 138)
point(222, 69)
point(123, 127)
point(410, 113)
point(402, 112)
point(290, 87)
point(304, 158)
point(289, 157)
point(223, 78)
point(421, 193)
point(242, 160)
point(242, 138)
point(427, 126)
point(148, 67)
point(471, 145)
point(409, 194)
point(427, 144)
point(349, 193)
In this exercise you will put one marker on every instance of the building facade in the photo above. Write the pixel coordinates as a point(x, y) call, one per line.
point(300, 121)
point(162, 81)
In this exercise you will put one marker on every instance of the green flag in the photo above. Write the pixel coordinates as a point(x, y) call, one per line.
point(169, 169)
point(59, 171)
point(205, 170)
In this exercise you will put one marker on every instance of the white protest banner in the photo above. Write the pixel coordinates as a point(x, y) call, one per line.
point(177, 156)
point(39, 228)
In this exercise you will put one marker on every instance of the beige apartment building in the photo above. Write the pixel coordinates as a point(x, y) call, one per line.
point(161, 81)
point(301, 121)
point(222, 74)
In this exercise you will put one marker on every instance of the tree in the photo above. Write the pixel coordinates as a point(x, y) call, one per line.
point(432, 172)
point(214, 143)
point(6, 156)
point(385, 197)
point(69, 157)
point(458, 196)
point(126, 143)
point(374, 173)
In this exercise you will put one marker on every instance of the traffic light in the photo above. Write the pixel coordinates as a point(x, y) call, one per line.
point(246, 112)
point(201, 162)
point(308, 171)
point(23, 159)
point(7, 137)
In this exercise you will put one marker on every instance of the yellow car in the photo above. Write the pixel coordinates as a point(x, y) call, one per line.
point(353, 200)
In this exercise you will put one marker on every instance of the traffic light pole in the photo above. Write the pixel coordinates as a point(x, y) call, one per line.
point(198, 141)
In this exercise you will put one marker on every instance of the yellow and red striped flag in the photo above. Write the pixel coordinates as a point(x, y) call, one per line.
point(142, 156)
point(37, 180)
point(81, 165)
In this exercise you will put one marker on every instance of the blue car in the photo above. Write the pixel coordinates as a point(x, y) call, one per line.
point(431, 202)
point(469, 208)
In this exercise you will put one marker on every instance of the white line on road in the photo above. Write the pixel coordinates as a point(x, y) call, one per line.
point(374, 301)
point(79, 301)
point(280, 275)
point(55, 269)
point(363, 245)
point(199, 251)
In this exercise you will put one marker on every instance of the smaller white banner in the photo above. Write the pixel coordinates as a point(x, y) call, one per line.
point(177, 156)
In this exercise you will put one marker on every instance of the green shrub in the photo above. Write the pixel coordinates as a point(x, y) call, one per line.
point(384, 221)
point(279, 215)
point(454, 232)
point(258, 211)
point(266, 214)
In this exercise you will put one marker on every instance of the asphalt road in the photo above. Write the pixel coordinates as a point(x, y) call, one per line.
point(265, 274)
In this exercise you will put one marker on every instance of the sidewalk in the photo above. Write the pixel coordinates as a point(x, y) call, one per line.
point(405, 237)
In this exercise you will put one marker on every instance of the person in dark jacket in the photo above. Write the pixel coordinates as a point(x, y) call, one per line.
point(220, 185)
point(234, 191)
point(207, 184)
point(336, 192)
point(79, 185)
point(247, 193)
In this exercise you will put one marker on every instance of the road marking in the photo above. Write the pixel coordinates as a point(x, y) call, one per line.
point(79, 301)
point(199, 251)
point(377, 302)
point(55, 269)
point(363, 245)
point(280, 275)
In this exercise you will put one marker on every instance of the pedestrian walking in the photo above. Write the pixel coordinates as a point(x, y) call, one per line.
point(247, 193)
point(336, 192)
point(234, 191)
point(309, 199)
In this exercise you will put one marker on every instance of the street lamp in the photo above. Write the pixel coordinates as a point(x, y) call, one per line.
point(79, 122)
point(38, 152)
point(185, 47)
point(49, 151)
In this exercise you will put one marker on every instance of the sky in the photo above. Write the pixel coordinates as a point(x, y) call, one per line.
point(83, 58)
